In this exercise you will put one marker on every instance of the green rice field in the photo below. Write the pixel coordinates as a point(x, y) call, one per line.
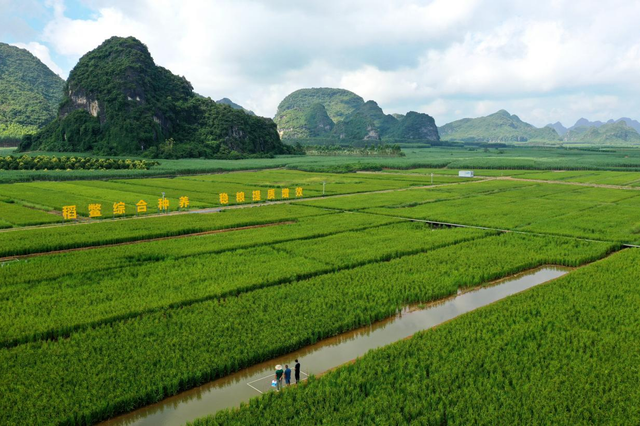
point(105, 316)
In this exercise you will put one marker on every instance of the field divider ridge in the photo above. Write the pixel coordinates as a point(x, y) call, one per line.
point(66, 332)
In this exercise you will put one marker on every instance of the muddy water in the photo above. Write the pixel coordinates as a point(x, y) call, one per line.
point(230, 391)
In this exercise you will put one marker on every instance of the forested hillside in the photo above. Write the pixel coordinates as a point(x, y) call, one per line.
point(118, 101)
point(29, 93)
point(498, 127)
point(342, 115)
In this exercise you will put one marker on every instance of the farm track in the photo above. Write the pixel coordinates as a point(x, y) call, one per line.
point(511, 178)
point(85, 221)
point(197, 234)
point(588, 185)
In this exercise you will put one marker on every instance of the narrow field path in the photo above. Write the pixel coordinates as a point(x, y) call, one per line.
point(589, 185)
point(146, 240)
point(85, 221)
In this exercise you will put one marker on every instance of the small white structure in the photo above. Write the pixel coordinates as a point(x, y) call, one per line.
point(465, 173)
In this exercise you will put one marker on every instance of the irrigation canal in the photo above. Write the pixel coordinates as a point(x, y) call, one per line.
point(330, 353)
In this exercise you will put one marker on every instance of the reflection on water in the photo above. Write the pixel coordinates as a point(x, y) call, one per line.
point(230, 391)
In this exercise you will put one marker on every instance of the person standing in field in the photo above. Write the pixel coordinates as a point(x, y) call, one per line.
point(297, 371)
point(279, 374)
point(287, 375)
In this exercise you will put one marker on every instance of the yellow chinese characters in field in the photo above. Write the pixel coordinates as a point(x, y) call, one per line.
point(69, 212)
point(141, 206)
point(298, 192)
point(239, 197)
point(224, 198)
point(118, 208)
point(256, 196)
point(95, 210)
point(285, 192)
point(271, 194)
point(163, 204)
point(184, 202)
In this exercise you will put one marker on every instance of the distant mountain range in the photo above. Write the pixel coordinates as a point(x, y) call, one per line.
point(622, 130)
point(134, 106)
point(29, 92)
point(504, 127)
point(340, 114)
point(497, 127)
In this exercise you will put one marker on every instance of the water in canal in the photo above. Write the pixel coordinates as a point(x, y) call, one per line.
point(230, 391)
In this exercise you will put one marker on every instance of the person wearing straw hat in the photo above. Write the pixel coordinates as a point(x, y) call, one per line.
point(279, 374)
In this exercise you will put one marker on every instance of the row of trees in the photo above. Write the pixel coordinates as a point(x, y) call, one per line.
point(46, 162)
point(365, 151)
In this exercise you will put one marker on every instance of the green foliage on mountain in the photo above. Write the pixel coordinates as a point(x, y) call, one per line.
point(293, 111)
point(415, 125)
point(343, 115)
point(367, 122)
point(498, 127)
point(227, 101)
point(118, 101)
point(317, 121)
point(29, 93)
point(618, 133)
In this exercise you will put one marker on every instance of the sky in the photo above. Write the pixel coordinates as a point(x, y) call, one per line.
point(546, 61)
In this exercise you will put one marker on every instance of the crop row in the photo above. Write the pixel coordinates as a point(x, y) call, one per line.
point(22, 216)
point(415, 197)
point(560, 354)
point(53, 266)
point(605, 214)
point(97, 373)
point(117, 231)
point(591, 177)
point(54, 308)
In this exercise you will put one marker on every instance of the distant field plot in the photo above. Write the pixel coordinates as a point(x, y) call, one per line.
point(146, 358)
point(488, 211)
point(415, 196)
point(585, 176)
point(203, 190)
point(18, 215)
point(151, 190)
point(395, 198)
point(17, 242)
point(606, 222)
point(560, 175)
point(313, 182)
point(607, 214)
point(454, 172)
point(597, 195)
point(55, 195)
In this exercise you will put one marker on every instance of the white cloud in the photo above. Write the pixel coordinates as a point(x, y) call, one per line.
point(552, 59)
point(41, 52)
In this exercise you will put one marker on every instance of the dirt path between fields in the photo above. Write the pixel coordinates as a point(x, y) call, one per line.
point(588, 185)
point(84, 220)
point(217, 231)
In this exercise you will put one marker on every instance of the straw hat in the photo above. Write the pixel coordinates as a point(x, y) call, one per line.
point(278, 367)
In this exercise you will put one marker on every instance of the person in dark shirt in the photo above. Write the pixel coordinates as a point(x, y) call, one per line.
point(297, 371)
point(287, 375)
